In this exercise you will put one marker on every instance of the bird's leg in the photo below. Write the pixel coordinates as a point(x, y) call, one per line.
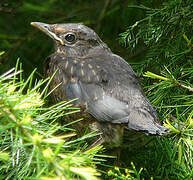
point(117, 153)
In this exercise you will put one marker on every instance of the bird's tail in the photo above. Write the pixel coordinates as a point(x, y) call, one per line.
point(146, 120)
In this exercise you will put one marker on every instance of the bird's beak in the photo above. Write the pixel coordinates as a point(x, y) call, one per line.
point(46, 28)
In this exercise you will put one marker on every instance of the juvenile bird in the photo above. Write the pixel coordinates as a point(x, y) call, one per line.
point(103, 83)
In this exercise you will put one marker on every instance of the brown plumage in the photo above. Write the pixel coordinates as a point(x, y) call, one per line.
point(106, 87)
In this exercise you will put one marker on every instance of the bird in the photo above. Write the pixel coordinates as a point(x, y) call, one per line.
point(105, 87)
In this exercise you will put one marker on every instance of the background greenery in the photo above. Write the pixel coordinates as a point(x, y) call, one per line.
point(19, 39)
point(153, 36)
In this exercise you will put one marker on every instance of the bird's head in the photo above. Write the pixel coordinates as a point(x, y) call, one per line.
point(73, 39)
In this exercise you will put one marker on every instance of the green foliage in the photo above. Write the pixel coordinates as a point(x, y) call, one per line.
point(32, 143)
point(166, 34)
point(129, 174)
point(180, 145)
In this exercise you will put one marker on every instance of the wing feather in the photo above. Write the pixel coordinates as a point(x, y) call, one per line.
point(111, 90)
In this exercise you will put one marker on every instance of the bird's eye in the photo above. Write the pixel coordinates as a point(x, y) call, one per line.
point(70, 38)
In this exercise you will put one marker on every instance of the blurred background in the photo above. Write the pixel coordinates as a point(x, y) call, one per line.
point(109, 18)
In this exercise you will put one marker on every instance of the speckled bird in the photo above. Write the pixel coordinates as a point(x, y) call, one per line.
point(103, 83)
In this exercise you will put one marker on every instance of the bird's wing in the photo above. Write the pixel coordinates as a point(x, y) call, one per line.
point(112, 91)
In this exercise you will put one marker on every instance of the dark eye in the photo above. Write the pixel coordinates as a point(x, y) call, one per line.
point(70, 38)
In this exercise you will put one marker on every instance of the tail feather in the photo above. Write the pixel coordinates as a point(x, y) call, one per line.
point(142, 120)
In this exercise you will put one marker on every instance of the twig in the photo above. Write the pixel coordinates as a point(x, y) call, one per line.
point(102, 14)
point(184, 86)
point(141, 7)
